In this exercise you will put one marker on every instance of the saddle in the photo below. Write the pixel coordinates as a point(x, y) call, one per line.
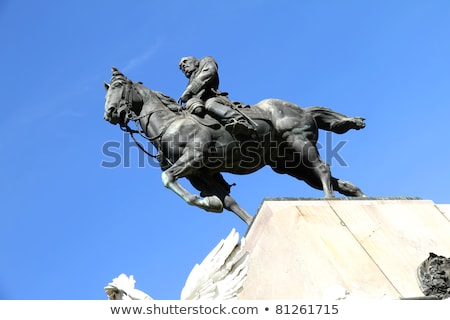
point(206, 120)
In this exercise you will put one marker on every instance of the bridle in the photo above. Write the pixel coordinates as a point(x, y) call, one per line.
point(126, 106)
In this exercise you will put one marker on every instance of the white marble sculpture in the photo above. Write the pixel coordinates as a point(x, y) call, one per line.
point(122, 288)
point(220, 276)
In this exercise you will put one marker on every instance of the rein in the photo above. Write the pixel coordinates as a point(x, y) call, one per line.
point(126, 128)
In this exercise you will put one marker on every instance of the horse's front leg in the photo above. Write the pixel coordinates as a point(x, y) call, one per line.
point(182, 169)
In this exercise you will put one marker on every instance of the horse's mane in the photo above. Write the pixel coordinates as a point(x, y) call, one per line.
point(168, 101)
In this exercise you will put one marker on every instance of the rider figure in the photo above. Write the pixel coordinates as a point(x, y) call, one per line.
point(202, 93)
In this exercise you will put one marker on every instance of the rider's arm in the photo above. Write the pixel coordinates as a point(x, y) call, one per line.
point(205, 79)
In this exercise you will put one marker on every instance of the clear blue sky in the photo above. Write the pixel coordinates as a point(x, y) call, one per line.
point(69, 225)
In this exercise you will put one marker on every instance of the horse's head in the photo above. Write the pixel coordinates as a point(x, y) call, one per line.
point(118, 99)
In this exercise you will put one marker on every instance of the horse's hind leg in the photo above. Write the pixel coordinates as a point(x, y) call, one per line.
point(347, 188)
point(308, 155)
point(322, 170)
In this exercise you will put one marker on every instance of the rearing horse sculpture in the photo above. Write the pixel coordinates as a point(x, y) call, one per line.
point(199, 149)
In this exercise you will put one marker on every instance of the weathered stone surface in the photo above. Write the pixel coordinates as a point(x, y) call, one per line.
point(300, 248)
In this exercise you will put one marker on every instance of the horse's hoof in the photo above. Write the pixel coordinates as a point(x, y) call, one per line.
point(213, 204)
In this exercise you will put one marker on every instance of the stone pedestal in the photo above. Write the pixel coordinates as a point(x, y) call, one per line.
point(301, 248)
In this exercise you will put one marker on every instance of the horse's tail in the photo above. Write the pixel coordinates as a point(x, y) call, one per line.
point(333, 121)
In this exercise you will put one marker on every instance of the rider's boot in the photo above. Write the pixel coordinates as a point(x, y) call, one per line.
point(234, 122)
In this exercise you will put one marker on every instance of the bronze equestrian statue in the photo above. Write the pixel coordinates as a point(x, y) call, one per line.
point(199, 147)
